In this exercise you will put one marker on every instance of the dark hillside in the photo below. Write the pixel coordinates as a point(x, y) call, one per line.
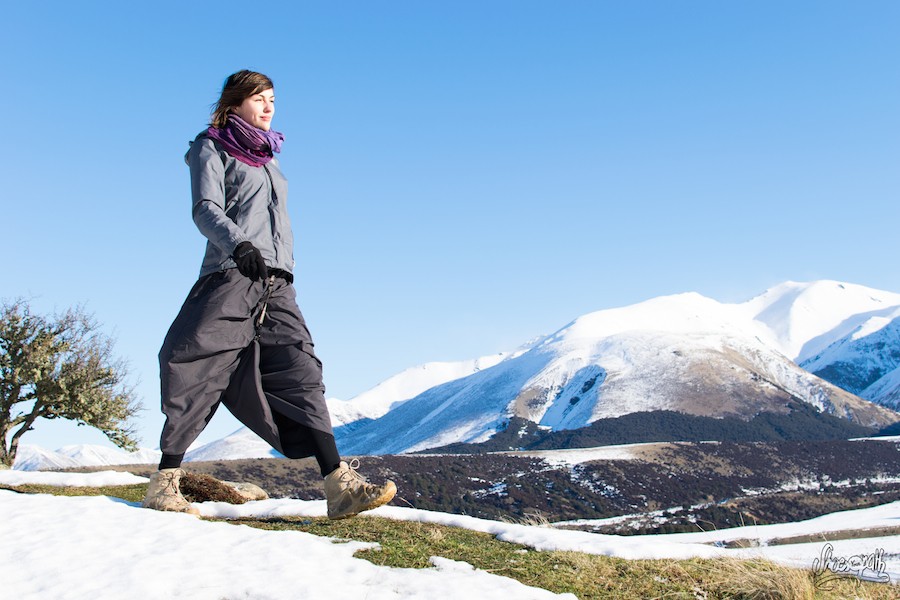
point(722, 483)
point(802, 422)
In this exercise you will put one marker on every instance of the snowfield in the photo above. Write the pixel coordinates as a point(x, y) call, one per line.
point(101, 547)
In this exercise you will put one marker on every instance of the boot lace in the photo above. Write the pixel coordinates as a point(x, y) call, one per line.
point(352, 476)
point(168, 481)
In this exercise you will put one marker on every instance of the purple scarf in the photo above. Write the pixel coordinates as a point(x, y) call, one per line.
point(247, 143)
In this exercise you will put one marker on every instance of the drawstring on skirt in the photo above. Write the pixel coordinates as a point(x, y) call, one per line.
point(264, 301)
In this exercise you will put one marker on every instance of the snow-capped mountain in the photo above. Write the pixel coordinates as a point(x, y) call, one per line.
point(35, 458)
point(685, 353)
point(802, 319)
point(243, 443)
point(407, 384)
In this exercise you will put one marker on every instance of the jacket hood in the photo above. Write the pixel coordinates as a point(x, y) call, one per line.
point(200, 135)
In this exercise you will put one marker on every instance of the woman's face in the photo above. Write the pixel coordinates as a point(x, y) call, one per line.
point(258, 109)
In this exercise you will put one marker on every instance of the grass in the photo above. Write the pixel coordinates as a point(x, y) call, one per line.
point(412, 544)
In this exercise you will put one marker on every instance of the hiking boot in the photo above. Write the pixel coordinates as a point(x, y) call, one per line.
point(348, 493)
point(163, 493)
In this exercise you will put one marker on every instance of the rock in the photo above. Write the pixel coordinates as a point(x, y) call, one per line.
point(249, 491)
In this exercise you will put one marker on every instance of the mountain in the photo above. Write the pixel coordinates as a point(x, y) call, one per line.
point(407, 384)
point(684, 353)
point(866, 361)
point(92, 455)
point(35, 458)
point(886, 389)
point(243, 443)
point(802, 319)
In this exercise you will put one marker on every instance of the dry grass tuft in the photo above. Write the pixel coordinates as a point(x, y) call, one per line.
point(759, 580)
point(197, 487)
point(534, 519)
point(435, 534)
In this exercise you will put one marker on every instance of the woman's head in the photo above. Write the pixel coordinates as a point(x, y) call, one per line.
point(249, 95)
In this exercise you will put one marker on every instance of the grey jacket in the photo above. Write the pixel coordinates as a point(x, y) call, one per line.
point(234, 202)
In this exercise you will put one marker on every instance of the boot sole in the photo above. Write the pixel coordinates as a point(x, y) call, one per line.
point(386, 497)
point(189, 511)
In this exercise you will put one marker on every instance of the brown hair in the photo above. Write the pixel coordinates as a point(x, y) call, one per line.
point(238, 87)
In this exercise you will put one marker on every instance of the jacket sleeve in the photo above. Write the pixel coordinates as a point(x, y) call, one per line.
point(208, 195)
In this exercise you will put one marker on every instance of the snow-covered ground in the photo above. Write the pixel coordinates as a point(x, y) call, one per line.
point(101, 547)
point(576, 456)
point(98, 479)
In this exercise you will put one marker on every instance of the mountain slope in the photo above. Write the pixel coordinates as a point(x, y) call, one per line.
point(886, 389)
point(243, 443)
point(802, 319)
point(866, 361)
point(407, 384)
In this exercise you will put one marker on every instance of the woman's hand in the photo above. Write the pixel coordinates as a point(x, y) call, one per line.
point(249, 261)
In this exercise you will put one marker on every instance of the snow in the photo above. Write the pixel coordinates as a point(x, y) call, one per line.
point(680, 313)
point(885, 515)
point(875, 324)
point(805, 318)
point(101, 547)
point(97, 479)
point(886, 389)
point(570, 458)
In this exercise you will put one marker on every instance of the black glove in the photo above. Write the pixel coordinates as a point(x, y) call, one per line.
point(249, 261)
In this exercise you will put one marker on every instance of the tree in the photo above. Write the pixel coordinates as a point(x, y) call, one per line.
point(60, 367)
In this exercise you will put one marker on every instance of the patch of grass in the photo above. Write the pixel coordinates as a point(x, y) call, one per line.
point(411, 544)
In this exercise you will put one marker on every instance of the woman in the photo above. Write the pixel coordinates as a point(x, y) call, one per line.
point(240, 337)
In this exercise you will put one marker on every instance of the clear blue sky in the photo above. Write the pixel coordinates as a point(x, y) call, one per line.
point(463, 176)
